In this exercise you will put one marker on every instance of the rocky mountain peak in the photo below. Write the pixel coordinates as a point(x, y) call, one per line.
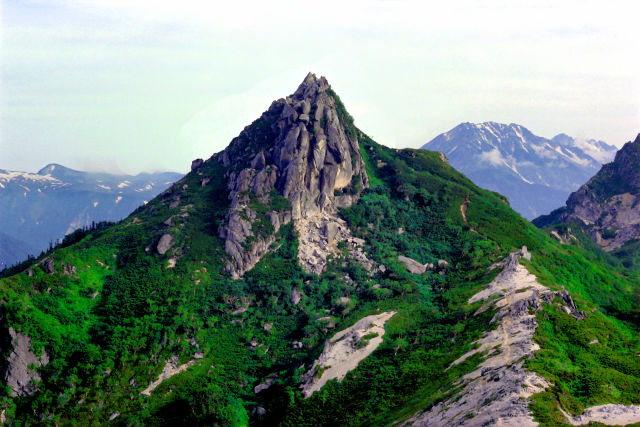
point(299, 161)
point(627, 163)
point(607, 206)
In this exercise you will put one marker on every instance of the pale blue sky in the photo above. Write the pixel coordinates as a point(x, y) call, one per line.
point(149, 85)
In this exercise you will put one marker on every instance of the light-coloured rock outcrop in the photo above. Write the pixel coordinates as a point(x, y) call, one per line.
point(412, 265)
point(20, 376)
point(319, 234)
point(613, 415)
point(299, 150)
point(344, 351)
point(498, 391)
point(170, 369)
point(48, 265)
point(165, 243)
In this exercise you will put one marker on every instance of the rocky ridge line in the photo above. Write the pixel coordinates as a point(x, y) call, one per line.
point(498, 391)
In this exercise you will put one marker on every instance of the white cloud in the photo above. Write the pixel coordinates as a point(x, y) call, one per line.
point(493, 157)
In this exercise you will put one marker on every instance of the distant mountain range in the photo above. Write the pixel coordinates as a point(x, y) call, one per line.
point(40, 208)
point(535, 173)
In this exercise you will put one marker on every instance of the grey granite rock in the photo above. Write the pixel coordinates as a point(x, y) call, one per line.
point(608, 205)
point(165, 243)
point(196, 164)
point(20, 376)
point(412, 265)
point(48, 266)
point(299, 149)
point(69, 269)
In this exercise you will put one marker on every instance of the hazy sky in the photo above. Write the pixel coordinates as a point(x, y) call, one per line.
point(127, 85)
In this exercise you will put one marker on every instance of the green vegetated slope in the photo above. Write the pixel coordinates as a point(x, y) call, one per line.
point(110, 326)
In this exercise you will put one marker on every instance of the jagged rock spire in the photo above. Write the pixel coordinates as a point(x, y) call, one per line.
point(302, 148)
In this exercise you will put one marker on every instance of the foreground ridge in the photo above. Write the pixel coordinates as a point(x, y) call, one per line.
point(498, 392)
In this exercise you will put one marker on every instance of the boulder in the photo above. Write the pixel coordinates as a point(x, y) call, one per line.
point(165, 243)
point(48, 266)
point(69, 269)
point(329, 230)
point(264, 385)
point(344, 300)
point(328, 321)
point(442, 264)
point(412, 265)
point(296, 295)
point(195, 164)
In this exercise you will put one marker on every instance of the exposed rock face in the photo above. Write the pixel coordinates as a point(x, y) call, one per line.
point(303, 150)
point(344, 351)
point(48, 266)
point(69, 269)
point(412, 265)
point(415, 267)
point(498, 391)
point(296, 295)
point(170, 369)
point(265, 385)
point(19, 376)
point(609, 414)
point(608, 205)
